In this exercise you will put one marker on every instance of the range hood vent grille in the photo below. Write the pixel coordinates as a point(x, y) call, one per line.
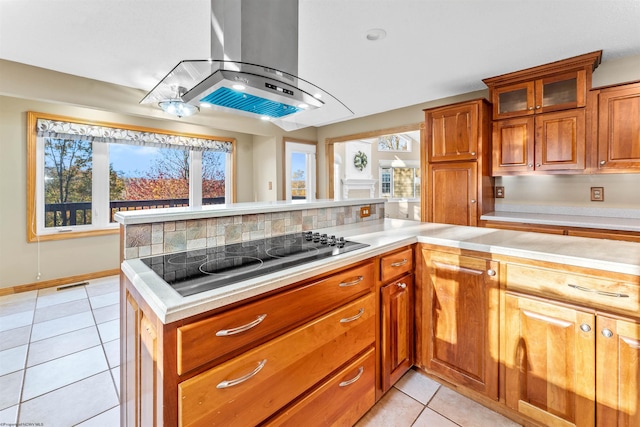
point(261, 54)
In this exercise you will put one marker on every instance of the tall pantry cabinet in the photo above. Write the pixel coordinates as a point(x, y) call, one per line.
point(459, 185)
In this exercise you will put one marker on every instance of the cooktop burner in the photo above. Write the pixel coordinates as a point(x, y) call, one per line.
point(196, 271)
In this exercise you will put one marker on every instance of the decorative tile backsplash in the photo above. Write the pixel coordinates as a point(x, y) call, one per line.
point(142, 240)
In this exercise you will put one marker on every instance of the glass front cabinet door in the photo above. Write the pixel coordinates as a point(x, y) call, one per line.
point(553, 93)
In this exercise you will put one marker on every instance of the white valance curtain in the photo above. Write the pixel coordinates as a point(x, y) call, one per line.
point(96, 133)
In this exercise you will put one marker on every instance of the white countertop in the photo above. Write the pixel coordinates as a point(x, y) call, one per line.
point(583, 221)
point(147, 216)
point(383, 236)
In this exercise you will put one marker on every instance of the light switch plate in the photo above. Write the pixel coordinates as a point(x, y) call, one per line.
point(597, 194)
point(499, 192)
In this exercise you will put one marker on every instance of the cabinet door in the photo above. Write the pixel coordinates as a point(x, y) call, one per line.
point(452, 133)
point(453, 193)
point(617, 372)
point(397, 330)
point(460, 320)
point(513, 148)
point(514, 100)
point(549, 360)
point(561, 92)
point(560, 140)
point(619, 129)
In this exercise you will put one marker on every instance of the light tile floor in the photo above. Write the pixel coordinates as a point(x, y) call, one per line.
point(60, 366)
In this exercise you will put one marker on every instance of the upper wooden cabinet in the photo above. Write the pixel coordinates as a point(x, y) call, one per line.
point(619, 128)
point(547, 142)
point(455, 132)
point(560, 85)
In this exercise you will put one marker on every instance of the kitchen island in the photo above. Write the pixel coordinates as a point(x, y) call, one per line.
point(171, 351)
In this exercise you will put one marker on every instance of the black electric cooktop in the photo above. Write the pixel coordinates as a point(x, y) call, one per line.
point(200, 270)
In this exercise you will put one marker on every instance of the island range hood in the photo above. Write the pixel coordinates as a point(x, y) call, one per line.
point(253, 69)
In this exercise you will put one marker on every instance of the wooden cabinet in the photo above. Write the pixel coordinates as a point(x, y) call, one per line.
point(619, 129)
point(458, 186)
point(458, 320)
point(453, 193)
point(570, 357)
point(547, 142)
point(540, 117)
point(617, 372)
point(453, 132)
point(549, 361)
point(551, 93)
point(396, 343)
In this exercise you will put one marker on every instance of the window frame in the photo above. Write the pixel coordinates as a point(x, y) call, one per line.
point(395, 164)
point(35, 180)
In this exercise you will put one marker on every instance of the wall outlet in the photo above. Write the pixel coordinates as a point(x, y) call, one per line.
point(597, 194)
point(365, 211)
point(499, 193)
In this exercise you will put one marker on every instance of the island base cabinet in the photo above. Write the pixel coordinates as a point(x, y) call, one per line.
point(549, 360)
point(459, 320)
point(248, 389)
point(340, 401)
point(617, 372)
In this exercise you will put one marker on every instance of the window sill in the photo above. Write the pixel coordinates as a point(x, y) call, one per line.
point(32, 237)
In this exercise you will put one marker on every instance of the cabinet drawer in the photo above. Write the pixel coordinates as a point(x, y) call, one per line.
point(393, 265)
point(253, 386)
point(593, 292)
point(340, 401)
point(254, 323)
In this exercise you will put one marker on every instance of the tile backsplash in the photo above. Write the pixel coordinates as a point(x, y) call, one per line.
point(142, 240)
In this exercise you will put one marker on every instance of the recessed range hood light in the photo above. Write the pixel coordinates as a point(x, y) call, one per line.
point(258, 40)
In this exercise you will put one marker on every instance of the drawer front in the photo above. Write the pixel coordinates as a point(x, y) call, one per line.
point(592, 292)
point(254, 323)
point(253, 386)
point(395, 264)
point(340, 401)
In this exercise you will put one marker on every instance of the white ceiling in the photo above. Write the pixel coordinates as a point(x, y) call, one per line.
point(433, 48)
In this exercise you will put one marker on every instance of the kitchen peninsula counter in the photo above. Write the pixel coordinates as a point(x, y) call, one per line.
point(382, 236)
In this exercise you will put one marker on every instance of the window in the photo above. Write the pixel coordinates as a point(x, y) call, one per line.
point(395, 142)
point(300, 170)
point(81, 174)
point(399, 179)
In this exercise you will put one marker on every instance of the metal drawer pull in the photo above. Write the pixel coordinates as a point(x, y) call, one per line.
point(240, 329)
point(402, 285)
point(585, 327)
point(605, 293)
point(351, 283)
point(231, 383)
point(354, 379)
point(399, 263)
point(491, 272)
point(352, 318)
point(607, 333)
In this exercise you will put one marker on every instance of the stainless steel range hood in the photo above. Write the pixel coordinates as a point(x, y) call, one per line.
point(253, 70)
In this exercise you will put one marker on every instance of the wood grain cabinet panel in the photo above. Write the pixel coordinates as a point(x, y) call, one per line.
point(453, 133)
point(550, 355)
point(340, 401)
point(253, 323)
point(619, 129)
point(460, 320)
point(396, 264)
point(251, 387)
point(396, 344)
point(453, 193)
point(513, 145)
point(617, 372)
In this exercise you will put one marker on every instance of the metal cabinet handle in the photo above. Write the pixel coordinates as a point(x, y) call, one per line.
point(231, 383)
point(585, 327)
point(530, 108)
point(351, 283)
point(402, 285)
point(538, 165)
point(473, 153)
point(354, 379)
point(491, 272)
point(240, 329)
point(530, 165)
point(473, 200)
point(352, 318)
point(595, 291)
point(537, 107)
point(602, 162)
point(399, 263)
point(607, 333)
